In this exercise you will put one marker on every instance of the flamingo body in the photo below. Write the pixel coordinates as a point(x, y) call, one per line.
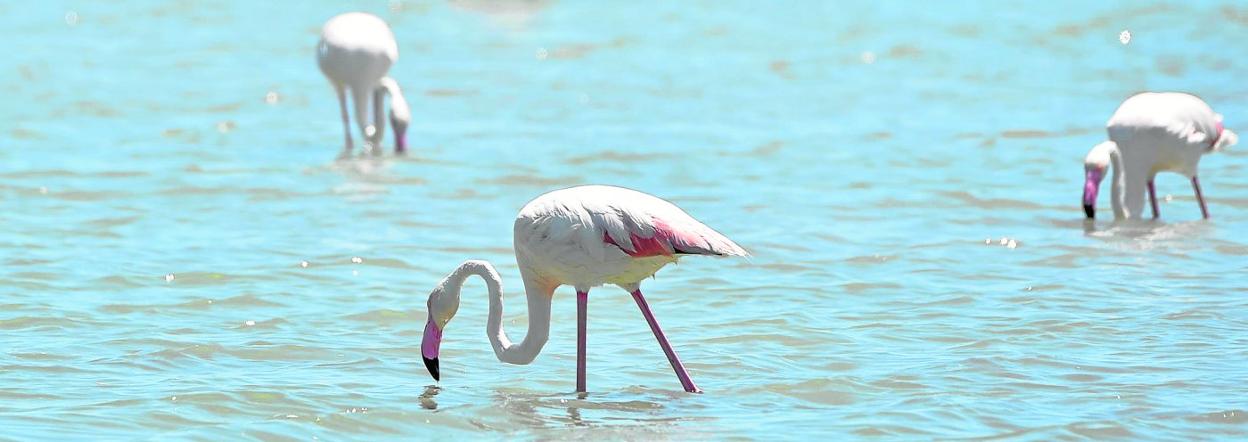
point(357, 49)
point(1150, 133)
point(593, 235)
point(585, 237)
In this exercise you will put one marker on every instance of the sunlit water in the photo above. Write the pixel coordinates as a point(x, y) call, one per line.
point(907, 176)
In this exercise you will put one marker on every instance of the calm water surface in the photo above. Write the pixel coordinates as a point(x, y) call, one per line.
point(907, 176)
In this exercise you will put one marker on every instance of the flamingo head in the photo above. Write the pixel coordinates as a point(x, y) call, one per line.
point(399, 119)
point(1094, 166)
point(443, 304)
point(400, 113)
point(1223, 137)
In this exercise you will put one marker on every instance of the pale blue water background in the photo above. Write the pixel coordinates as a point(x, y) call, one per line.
point(138, 142)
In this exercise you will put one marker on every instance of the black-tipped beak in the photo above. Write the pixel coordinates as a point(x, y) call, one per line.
point(1089, 211)
point(432, 365)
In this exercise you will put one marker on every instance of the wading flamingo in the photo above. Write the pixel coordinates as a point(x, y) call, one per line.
point(355, 52)
point(1152, 132)
point(583, 236)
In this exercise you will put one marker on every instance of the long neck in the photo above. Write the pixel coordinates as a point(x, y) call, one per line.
point(1131, 175)
point(398, 104)
point(539, 313)
point(1116, 184)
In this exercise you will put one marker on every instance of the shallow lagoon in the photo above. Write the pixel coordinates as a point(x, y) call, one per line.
point(165, 168)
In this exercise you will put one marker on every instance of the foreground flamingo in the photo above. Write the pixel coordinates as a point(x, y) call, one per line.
point(585, 237)
point(1153, 132)
point(355, 52)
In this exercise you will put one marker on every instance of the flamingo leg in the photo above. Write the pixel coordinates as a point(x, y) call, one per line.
point(681, 373)
point(379, 119)
point(1204, 210)
point(360, 99)
point(346, 118)
point(582, 310)
point(1152, 199)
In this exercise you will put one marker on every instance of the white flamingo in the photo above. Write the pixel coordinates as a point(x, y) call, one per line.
point(1153, 132)
point(355, 52)
point(584, 237)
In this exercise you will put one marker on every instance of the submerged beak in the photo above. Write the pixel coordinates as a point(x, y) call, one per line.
point(1091, 186)
point(400, 135)
point(429, 348)
point(400, 142)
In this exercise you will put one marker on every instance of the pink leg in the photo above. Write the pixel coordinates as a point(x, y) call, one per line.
point(582, 310)
point(1204, 211)
point(667, 347)
point(1152, 199)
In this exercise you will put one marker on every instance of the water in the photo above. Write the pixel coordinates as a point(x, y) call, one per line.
point(167, 167)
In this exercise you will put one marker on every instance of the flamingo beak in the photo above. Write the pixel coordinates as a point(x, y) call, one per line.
point(400, 135)
point(429, 348)
point(1091, 186)
point(400, 143)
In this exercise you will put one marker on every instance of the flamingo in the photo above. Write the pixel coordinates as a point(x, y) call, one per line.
point(583, 236)
point(355, 53)
point(1153, 132)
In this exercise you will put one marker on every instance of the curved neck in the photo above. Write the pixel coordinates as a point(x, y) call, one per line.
point(398, 104)
point(1116, 183)
point(1131, 176)
point(400, 114)
point(539, 313)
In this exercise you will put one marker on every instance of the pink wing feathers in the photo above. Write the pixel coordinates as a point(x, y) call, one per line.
point(642, 233)
point(597, 220)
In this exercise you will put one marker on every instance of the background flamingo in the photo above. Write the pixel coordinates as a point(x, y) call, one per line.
point(1153, 132)
point(355, 52)
point(585, 237)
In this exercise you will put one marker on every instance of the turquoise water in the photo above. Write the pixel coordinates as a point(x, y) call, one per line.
point(166, 167)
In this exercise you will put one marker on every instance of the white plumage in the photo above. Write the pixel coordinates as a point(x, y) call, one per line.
point(562, 235)
point(583, 236)
point(355, 53)
point(1150, 133)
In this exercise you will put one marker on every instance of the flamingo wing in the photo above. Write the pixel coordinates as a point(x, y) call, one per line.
point(655, 236)
point(599, 220)
point(642, 225)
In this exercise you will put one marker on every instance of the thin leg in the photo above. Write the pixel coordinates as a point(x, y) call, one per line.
point(346, 118)
point(379, 119)
point(667, 347)
point(582, 310)
point(1152, 199)
point(361, 100)
point(1204, 210)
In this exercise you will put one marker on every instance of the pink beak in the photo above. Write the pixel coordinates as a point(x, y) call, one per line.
point(400, 143)
point(400, 137)
point(1091, 186)
point(429, 348)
